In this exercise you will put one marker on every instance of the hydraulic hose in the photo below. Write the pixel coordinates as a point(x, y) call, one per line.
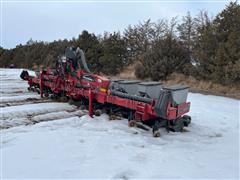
point(83, 59)
point(132, 97)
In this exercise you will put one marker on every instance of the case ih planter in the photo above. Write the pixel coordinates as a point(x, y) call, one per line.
point(148, 103)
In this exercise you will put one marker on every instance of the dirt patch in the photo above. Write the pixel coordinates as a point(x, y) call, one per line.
point(128, 73)
point(204, 87)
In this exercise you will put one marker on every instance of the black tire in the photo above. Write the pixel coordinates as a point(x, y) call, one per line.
point(131, 123)
point(24, 75)
point(63, 99)
point(53, 97)
point(187, 120)
point(156, 133)
point(98, 112)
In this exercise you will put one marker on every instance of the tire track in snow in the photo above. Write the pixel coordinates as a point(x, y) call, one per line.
point(33, 109)
point(40, 117)
point(23, 102)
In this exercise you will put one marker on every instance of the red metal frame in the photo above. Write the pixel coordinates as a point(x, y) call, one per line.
point(98, 90)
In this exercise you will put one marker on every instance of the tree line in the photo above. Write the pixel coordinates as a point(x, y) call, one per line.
point(202, 46)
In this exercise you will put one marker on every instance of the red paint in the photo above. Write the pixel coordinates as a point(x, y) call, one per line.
point(90, 101)
point(96, 89)
point(41, 83)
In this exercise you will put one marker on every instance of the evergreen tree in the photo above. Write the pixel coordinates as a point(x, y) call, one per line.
point(187, 33)
point(114, 53)
point(217, 45)
point(205, 49)
point(227, 25)
point(90, 44)
point(165, 57)
point(140, 37)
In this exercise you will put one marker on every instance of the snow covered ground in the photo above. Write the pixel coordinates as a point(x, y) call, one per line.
point(70, 146)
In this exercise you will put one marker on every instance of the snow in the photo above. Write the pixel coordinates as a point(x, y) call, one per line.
point(31, 109)
point(19, 98)
point(68, 146)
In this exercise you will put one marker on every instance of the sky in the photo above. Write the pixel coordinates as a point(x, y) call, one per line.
point(51, 20)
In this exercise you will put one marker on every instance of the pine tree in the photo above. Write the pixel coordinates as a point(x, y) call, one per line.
point(187, 32)
point(92, 48)
point(114, 53)
point(217, 45)
point(228, 35)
